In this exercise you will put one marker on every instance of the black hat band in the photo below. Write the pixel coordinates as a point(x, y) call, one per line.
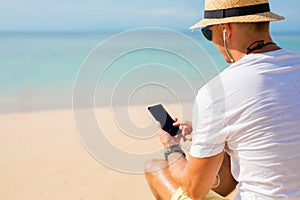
point(240, 11)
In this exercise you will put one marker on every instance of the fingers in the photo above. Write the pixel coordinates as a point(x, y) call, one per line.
point(187, 138)
point(184, 123)
point(167, 139)
point(177, 138)
point(175, 119)
point(184, 126)
point(187, 129)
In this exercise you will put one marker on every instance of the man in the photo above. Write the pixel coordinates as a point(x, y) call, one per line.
point(246, 121)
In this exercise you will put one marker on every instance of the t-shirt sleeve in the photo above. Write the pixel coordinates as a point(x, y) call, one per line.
point(208, 121)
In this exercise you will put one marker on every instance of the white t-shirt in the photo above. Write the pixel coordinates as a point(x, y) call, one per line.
point(252, 110)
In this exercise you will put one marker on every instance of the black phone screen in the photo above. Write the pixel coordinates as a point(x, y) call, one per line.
point(166, 121)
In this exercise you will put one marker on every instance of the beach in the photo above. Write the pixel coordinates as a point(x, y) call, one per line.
point(42, 158)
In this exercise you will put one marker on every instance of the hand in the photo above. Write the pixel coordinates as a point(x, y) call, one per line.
point(166, 139)
point(186, 128)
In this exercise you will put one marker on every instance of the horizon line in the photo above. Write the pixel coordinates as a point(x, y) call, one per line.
point(109, 31)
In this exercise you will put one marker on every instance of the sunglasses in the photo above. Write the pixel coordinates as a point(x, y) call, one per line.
point(207, 32)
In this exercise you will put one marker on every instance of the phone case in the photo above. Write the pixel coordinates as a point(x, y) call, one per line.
point(166, 121)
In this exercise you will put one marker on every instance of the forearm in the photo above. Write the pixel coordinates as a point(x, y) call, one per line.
point(196, 175)
point(177, 167)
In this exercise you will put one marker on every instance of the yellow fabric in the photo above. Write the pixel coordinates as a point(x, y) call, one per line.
point(179, 195)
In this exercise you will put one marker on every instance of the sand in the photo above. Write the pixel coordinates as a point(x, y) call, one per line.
point(42, 157)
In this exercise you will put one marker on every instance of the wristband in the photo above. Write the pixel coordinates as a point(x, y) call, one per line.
point(172, 149)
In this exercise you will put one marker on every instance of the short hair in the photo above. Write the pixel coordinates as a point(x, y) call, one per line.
point(257, 27)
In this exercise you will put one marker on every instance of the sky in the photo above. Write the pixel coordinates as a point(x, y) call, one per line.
point(99, 15)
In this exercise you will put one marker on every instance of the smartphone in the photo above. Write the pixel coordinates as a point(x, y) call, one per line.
point(166, 121)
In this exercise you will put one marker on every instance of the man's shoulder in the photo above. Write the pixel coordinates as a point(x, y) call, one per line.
point(253, 71)
point(253, 64)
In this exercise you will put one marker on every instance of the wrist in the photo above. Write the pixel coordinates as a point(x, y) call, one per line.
point(172, 149)
point(169, 144)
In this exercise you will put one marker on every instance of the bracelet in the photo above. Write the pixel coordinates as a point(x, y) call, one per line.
point(218, 183)
point(172, 149)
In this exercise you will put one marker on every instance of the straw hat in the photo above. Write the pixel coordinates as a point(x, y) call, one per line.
point(236, 11)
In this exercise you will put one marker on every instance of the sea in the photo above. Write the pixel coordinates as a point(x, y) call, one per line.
point(49, 71)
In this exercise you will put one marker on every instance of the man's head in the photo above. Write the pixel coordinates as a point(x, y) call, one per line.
point(232, 39)
point(230, 23)
point(236, 11)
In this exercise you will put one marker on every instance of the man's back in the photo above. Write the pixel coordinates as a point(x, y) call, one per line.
point(262, 116)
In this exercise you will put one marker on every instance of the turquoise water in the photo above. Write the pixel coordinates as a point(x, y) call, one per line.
point(37, 71)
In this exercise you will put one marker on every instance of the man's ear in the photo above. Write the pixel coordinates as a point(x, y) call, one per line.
point(227, 29)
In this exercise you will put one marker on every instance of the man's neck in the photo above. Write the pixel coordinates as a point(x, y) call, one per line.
point(240, 47)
